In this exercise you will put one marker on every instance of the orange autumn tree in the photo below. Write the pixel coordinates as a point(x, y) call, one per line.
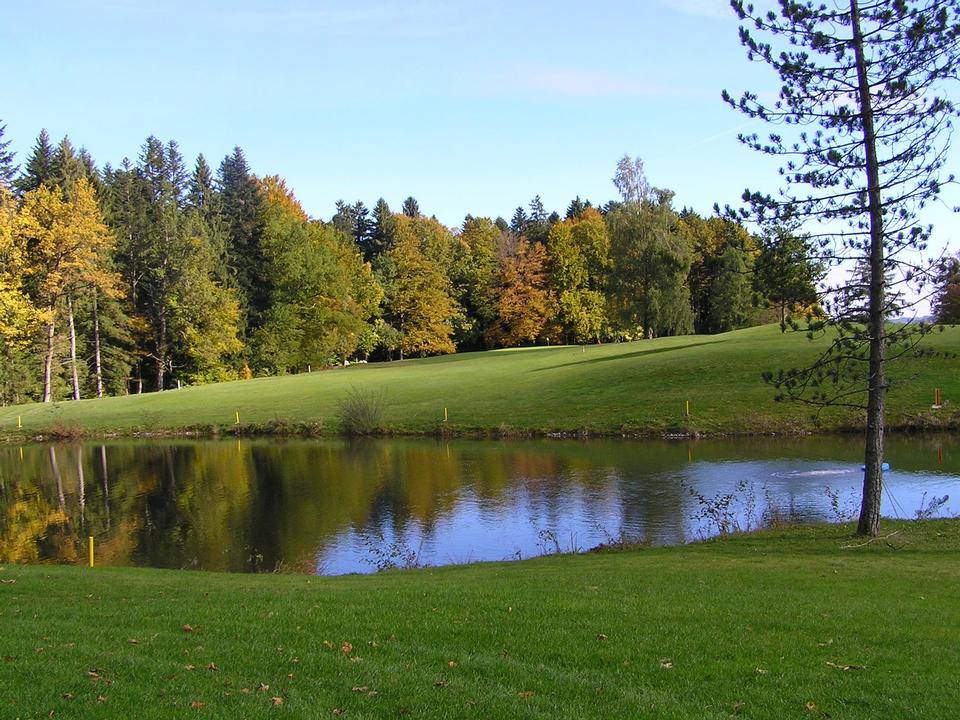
point(523, 299)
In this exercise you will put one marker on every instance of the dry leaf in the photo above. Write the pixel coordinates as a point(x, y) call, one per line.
point(441, 683)
point(810, 706)
point(289, 676)
point(131, 641)
point(94, 674)
point(372, 643)
point(338, 711)
point(327, 644)
point(101, 699)
point(67, 696)
point(828, 643)
point(666, 663)
point(276, 701)
point(246, 691)
point(212, 666)
point(761, 671)
point(361, 688)
point(347, 647)
point(187, 628)
point(846, 667)
point(525, 693)
point(452, 663)
point(601, 637)
point(263, 687)
point(738, 706)
point(8, 582)
point(196, 704)
point(189, 667)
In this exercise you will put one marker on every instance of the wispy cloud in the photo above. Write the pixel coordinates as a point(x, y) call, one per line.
point(713, 9)
point(587, 83)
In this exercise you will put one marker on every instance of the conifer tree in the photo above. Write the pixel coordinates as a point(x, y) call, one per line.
point(243, 222)
point(39, 168)
point(863, 126)
point(8, 170)
point(411, 208)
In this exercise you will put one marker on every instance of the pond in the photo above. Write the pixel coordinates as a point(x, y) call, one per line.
point(335, 506)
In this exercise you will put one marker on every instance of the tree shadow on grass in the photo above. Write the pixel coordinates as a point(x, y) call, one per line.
point(638, 353)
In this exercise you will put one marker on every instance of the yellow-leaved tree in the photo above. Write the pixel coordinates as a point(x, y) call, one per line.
point(66, 244)
point(19, 318)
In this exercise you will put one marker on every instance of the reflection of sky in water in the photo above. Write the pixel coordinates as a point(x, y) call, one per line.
point(337, 507)
point(524, 523)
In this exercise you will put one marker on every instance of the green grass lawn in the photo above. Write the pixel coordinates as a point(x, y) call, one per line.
point(639, 387)
point(795, 623)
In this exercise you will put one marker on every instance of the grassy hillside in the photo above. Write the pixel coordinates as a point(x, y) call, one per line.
point(802, 623)
point(639, 387)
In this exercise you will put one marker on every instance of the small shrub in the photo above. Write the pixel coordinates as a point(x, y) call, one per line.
point(60, 430)
point(361, 413)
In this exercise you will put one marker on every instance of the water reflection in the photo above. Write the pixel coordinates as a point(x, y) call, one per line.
point(336, 506)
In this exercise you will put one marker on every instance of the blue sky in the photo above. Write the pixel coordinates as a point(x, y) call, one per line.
point(469, 107)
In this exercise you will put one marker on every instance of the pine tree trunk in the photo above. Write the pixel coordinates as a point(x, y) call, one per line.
point(73, 350)
point(48, 359)
point(97, 366)
point(869, 523)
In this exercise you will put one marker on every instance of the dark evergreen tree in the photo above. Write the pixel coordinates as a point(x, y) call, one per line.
point(519, 222)
point(502, 225)
point(201, 191)
point(538, 225)
point(243, 223)
point(381, 233)
point(576, 208)
point(362, 224)
point(946, 304)
point(7, 169)
point(411, 208)
point(39, 168)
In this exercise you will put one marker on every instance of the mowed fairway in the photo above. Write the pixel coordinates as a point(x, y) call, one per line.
point(800, 623)
point(639, 387)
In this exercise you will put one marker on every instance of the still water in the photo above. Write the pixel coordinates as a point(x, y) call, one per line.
point(333, 506)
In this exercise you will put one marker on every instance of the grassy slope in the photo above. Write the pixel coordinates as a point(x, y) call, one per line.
point(756, 626)
point(641, 387)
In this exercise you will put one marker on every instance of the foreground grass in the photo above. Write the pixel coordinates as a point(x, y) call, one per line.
point(639, 387)
point(800, 623)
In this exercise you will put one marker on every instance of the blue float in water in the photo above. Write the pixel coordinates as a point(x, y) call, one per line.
point(883, 467)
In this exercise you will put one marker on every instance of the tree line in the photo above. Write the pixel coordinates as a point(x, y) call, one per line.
point(153, 274)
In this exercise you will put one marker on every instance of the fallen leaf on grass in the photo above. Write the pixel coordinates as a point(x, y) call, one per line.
point(601, 637)
point(8, 582)
point(187, 629)
point(289, 676)
point(212, 666)
point(372, 643)
point(761, 671)
point(347, 647)
point(356, 659)
point(263, 687)
point(327, 644)
point(276, 701)
point(441, 683)
point(101, 699)
point(666, 663)
point(826, 643)
point(738, 706)
point(93, 674)
point(846, 667)
point(67, 696)
point(338, 711)
point(132, 641)
point(189, 667)
point(525, 694)
point(810, 706)
point(360, 688)
point(196, 704)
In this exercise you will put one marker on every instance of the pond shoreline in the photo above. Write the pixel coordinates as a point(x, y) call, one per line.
point(280, 429)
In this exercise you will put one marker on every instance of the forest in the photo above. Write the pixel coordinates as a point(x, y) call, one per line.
point(152, 275)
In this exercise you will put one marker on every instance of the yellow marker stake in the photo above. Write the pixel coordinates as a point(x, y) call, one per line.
point(19, 424)
point(91, 550)
point(688, 408)
point(444, 414)
point(238, 418)
point(21, 454)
